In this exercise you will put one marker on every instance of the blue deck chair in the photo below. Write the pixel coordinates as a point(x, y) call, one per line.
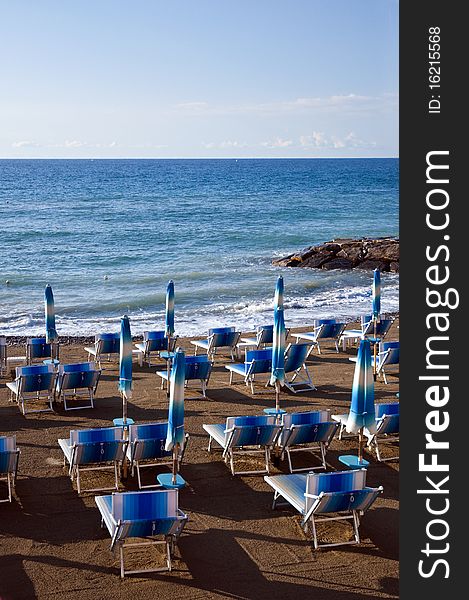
point(388, 355)
point(147, 443)
point(93, 450)
point(37, 349)
point(9, 457)
point(342, 494)
point(104, 344)
point(387, 428)
point(264, 337)
point(153, 516)
point(245, 435)
point(78, 380)
point(218, 337)
point(153, 341)
point(295, 367)
point(367, 330)
point(257, 362)
point(34, 382)
point(198, 368)
point(306, 431)
point(324, 329)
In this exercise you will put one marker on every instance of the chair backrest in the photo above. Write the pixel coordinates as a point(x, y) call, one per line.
point(222, 339)
point(265, 334)
point(252, 431)
point(198, 367)
point(35, 378)
point(8, 454)
point(108, 343)
point(387, 416)
point(339, 481)
point(220, 330)
point(328, 328)
point(388, 354)
point(311, 417)
point(148, 440)
point(142, 514)
point(295, 356)
point(259, 361)
point(97, 435)
point(307, 427)
point(37, 348)
point(155, 341)
point(78, 375)
point(3, 348)
point(382, 327)
point(366, 324)
point(387, 408)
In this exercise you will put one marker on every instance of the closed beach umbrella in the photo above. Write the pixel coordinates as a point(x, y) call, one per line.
point(362, 408)
point(169, 314)
point(125, 365)
point(175, 435)
point(277, 376)
point(51, 332)
point(376, 291)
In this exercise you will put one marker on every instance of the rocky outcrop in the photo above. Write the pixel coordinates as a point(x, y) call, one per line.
point(366, 253)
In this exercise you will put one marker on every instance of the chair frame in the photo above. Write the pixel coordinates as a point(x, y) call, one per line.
point(136, 465)
point(11, 475)
point(20, 396)
point(310, 519)
point(287, 449)
point(304, 383)
point(203, 382)
point(382, 362)
point(229, 451)
point(251, 371)
point(211, 349)
point(88, 392)
point(144, 354)
point(313, 337)
point(169, 543)
point(96, 351)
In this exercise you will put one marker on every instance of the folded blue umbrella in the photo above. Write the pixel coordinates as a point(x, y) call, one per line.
point(362, 408)
point(175, 433)
point(169, 314)
point(277, 377)
point(125, 364)
point(51, 332)
point(376, 292)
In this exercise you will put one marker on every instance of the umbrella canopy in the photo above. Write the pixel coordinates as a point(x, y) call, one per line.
point(175, 433)
point(277, 376)
point(125, 364)
point(362, 408)
point(169, 316)
point(51, 332)
point(376, 291)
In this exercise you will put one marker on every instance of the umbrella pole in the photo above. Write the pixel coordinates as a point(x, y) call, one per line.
point(175, 462)
point(360, 445)
point(277, 396)
point(125, 434)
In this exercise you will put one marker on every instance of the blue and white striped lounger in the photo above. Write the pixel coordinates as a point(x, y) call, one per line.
point(147, 443)
point(245, 435)
point(9, 457)
point(343, 494)
point(387, 428)
point(35, 382)
point(153, 516)
point(78, 380)
point(257, 362)
point(198, 368)
point(104, 343)
point(218, 337)
point(306, 431)
point(324, 329)
point(93, 450)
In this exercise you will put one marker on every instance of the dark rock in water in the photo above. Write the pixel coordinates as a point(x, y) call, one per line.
point(365, 253)
point(338, 263)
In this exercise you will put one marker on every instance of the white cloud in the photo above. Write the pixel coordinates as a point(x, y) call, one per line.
point(25, 144)
point(277, 143)
point(318, 139)
point(224, 144)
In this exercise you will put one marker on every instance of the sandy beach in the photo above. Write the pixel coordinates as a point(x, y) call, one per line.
point(234, 545)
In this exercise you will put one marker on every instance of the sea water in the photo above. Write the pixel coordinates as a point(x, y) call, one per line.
point(109, 234)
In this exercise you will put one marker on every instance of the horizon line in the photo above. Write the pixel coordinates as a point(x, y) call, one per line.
point(194, 157)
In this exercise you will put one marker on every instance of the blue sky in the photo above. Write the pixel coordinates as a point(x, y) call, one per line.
point(198, 78)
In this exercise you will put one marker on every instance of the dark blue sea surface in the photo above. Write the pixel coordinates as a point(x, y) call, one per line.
point(109, 234)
